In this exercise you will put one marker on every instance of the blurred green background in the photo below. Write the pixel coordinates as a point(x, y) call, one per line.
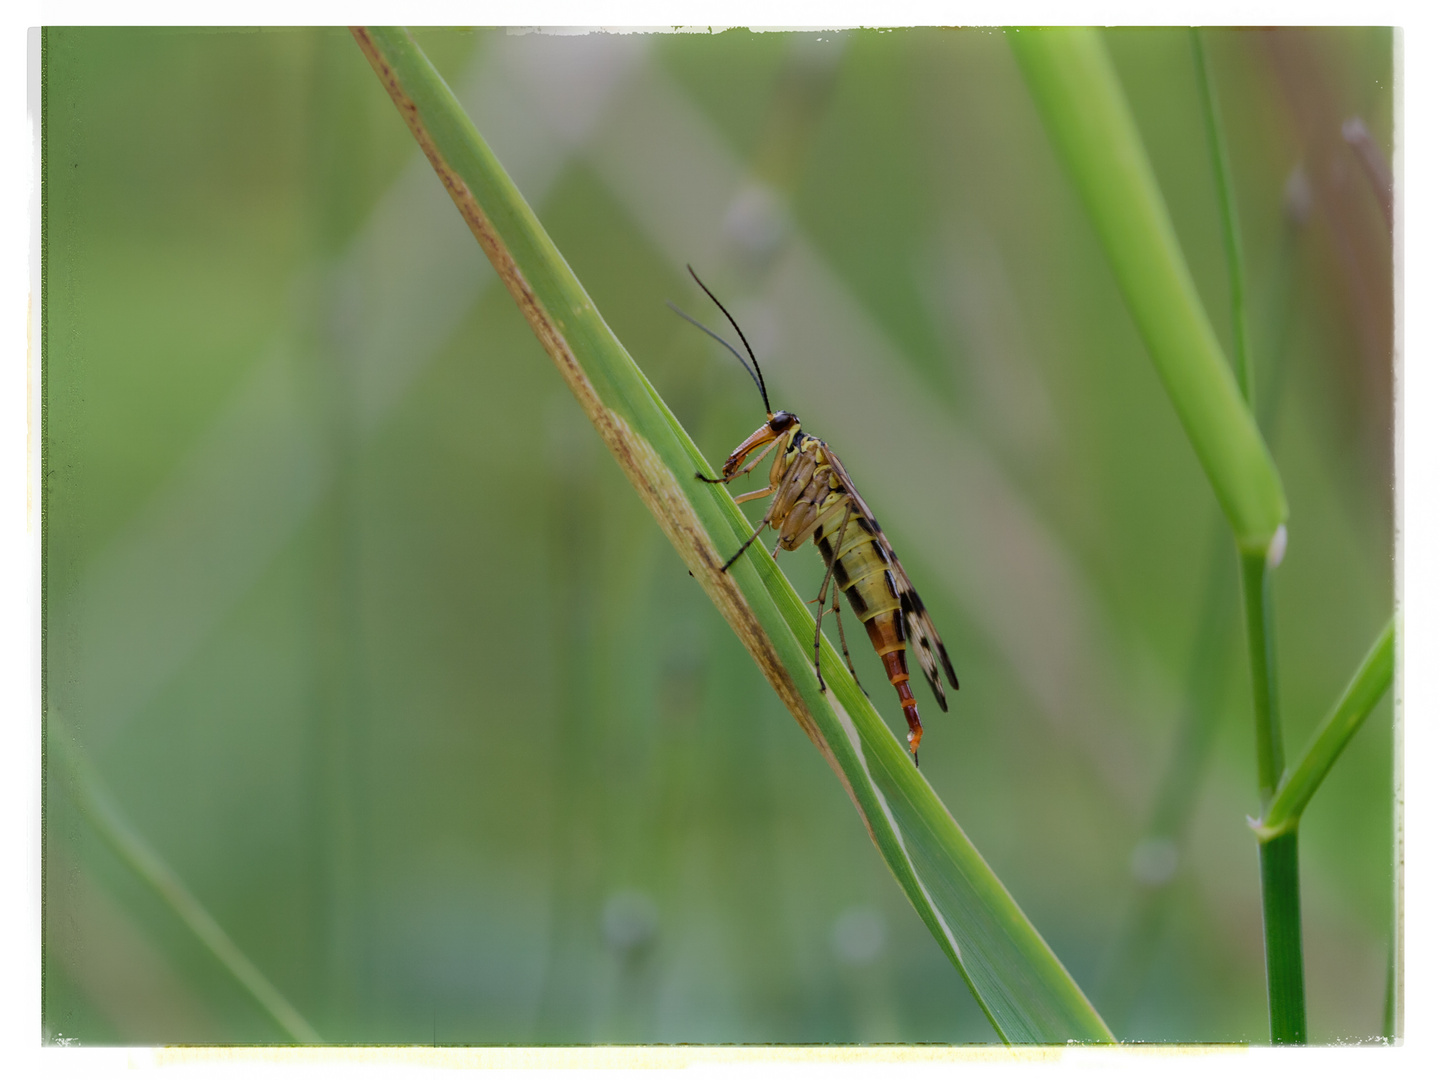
point(368, 638)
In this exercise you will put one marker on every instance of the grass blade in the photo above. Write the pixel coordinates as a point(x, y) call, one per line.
point(1016, 978)
point(95, 802)
point(1084, 109)
point(1229, 219)
point(1301, 781)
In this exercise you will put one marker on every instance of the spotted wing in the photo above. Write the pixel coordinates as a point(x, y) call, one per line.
point(920, 632)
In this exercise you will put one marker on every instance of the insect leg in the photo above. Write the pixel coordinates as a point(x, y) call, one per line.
point(727, 475)
point(830, 565)
point(780, 507)
point(840, 624)
point(764, 521)
point(757, 461)
point(749, 494)
point(758, 529)
point(820, 615)
point(761, 493)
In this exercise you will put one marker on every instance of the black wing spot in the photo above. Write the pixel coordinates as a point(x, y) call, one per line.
point(949, 671)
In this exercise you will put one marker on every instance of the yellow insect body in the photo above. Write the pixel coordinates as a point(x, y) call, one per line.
point(815, 499)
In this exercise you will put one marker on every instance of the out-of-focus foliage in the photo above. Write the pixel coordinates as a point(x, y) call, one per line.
point(371, 641)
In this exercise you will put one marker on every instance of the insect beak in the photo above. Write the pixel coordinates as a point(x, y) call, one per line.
point(764, 436)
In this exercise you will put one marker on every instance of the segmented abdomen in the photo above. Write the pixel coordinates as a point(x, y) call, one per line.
point(863, 573)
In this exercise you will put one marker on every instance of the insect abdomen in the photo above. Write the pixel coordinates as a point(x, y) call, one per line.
point(863, 573)
point(860, 567)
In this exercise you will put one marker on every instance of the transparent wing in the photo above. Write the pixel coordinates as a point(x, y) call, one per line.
point(920, 633)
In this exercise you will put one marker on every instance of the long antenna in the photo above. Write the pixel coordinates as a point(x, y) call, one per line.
point(722, 341)
point(759, 376)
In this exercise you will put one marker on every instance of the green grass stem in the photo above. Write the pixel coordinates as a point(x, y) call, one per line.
point(1257, 592)
point(1279, 856)
point(1178, 793)
point(1229, 218)
point(1084, 108)
point(1366, 688)
point(1284, 946)
point(100, 809)
point(1080, 99)
point(1017, 980)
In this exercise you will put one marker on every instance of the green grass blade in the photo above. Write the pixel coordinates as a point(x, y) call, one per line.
point(1229, 219)
point(1085, 112)
point(1017, 980)
point(94, 800)
point(1301, 781)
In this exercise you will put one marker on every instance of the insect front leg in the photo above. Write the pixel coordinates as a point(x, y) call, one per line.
point(762, 457)
point(781, 478)
point(730, 471)
point(760, 494)
point(758, 530)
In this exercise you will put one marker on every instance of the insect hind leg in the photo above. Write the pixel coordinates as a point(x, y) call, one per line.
point(819, 615)
point(844, 648)
point(830, 565)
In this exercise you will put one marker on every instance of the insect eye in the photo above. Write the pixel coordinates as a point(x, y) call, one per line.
point(781, 421)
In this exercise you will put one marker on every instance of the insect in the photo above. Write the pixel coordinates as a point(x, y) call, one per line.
point(815, 499)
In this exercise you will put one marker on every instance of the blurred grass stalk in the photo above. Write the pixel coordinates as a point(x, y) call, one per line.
point(1278, 833)
point(1088, 119)
point(1225, 192)
point(99, 807)
point(1301, 781)
point(1178, 793)
point(1080, 99)
point(1016, 979)
point(1279, 855)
